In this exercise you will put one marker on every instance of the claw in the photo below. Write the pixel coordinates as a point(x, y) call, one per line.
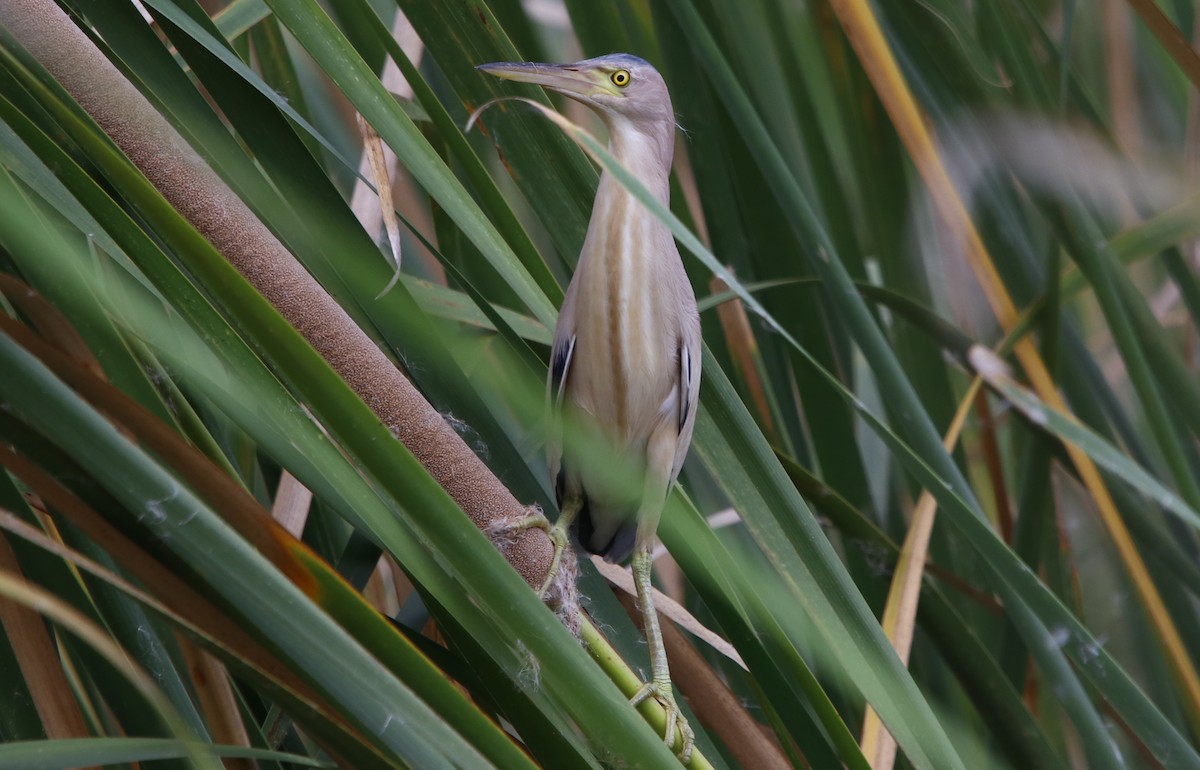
point(676, 721)
point(558, 536)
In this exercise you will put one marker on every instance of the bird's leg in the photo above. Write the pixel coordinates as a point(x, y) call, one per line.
point(659, 686)
point(558, 533)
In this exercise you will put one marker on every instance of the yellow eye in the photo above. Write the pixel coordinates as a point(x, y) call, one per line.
point(620, 78)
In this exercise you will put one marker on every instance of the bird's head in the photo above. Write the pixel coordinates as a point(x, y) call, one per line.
point(623, 89)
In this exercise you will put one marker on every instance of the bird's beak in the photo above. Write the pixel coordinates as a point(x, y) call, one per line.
point(568, 79)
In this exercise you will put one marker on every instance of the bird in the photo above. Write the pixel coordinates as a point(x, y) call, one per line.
point(625, 362)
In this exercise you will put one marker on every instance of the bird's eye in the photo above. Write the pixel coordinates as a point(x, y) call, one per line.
point(620, 78)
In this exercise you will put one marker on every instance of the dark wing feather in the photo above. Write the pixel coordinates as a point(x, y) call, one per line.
point(685, 385)
point(560, 364)
point(687, 394)
point(560, 367)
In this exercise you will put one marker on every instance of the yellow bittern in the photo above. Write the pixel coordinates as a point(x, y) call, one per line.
point(626, 353)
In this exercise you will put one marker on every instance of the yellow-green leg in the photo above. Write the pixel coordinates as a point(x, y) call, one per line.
point(659, 686)
point(558, 533)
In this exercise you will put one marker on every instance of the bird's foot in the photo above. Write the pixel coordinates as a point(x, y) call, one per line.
point(677, 724)
point(558, 537)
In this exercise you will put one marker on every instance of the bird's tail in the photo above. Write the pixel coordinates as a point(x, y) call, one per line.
point(606, 532)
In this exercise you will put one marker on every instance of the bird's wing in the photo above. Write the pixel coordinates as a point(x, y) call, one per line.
point(560, 366)
point(688, 394)
point(560, 369)
point(686, 400)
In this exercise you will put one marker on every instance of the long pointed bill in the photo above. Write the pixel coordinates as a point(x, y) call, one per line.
point(566, 79)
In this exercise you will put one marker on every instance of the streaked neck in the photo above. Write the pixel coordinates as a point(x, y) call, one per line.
point(648, 157)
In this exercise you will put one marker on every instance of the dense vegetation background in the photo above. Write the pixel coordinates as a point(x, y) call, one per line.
point(947, 272)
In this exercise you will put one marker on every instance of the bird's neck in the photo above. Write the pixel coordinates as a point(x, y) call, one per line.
point(646, 156)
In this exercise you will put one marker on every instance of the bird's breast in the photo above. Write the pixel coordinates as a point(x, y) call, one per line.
point(627, 318)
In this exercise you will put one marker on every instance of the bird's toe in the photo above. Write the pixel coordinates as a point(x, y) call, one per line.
point(677, 731)
point(504, 533)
